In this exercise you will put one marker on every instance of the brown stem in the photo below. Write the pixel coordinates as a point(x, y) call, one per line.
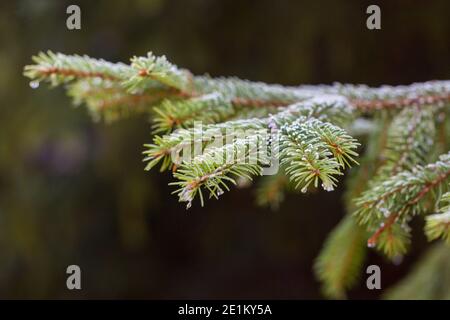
point(368, 105)
point(387, 224)
point(77, 73)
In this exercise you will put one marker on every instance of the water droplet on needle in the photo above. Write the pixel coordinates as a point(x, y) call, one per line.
point(34, 84)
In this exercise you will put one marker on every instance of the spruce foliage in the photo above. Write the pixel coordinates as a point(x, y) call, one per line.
point(316, 133)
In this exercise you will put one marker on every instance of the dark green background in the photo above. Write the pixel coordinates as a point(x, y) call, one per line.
point(74, 192)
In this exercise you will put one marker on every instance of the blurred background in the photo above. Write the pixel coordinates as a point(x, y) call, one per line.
point(75, 192)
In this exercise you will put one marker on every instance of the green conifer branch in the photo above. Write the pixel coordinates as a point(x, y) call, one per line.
point(340, 261)
point(429, 279)
point(216, 167)
point(210, 108)
point(409, 141)
point(388, 206)
point(438, 225)
point(313, 152)
point(309, 127)
point(150, 74)
point(150, 71)
point(339, 264)
point(329, 108)
point(58, 68)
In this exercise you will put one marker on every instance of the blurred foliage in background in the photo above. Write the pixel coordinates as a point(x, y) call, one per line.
point(74, 192)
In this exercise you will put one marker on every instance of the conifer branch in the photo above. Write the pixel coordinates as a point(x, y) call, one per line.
point(338, 265)
point(154, 74)
point(388, 206)
point(167, 147)
point(394, 97)
point(216, 167)
point(58, 69)
point(409, 141)
point(438, 225)
point(198, 121)
point(211, 108)
point(399, 103)
point(314, 152)
point(429, 279)
point(148, 72)
point(341, 258)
